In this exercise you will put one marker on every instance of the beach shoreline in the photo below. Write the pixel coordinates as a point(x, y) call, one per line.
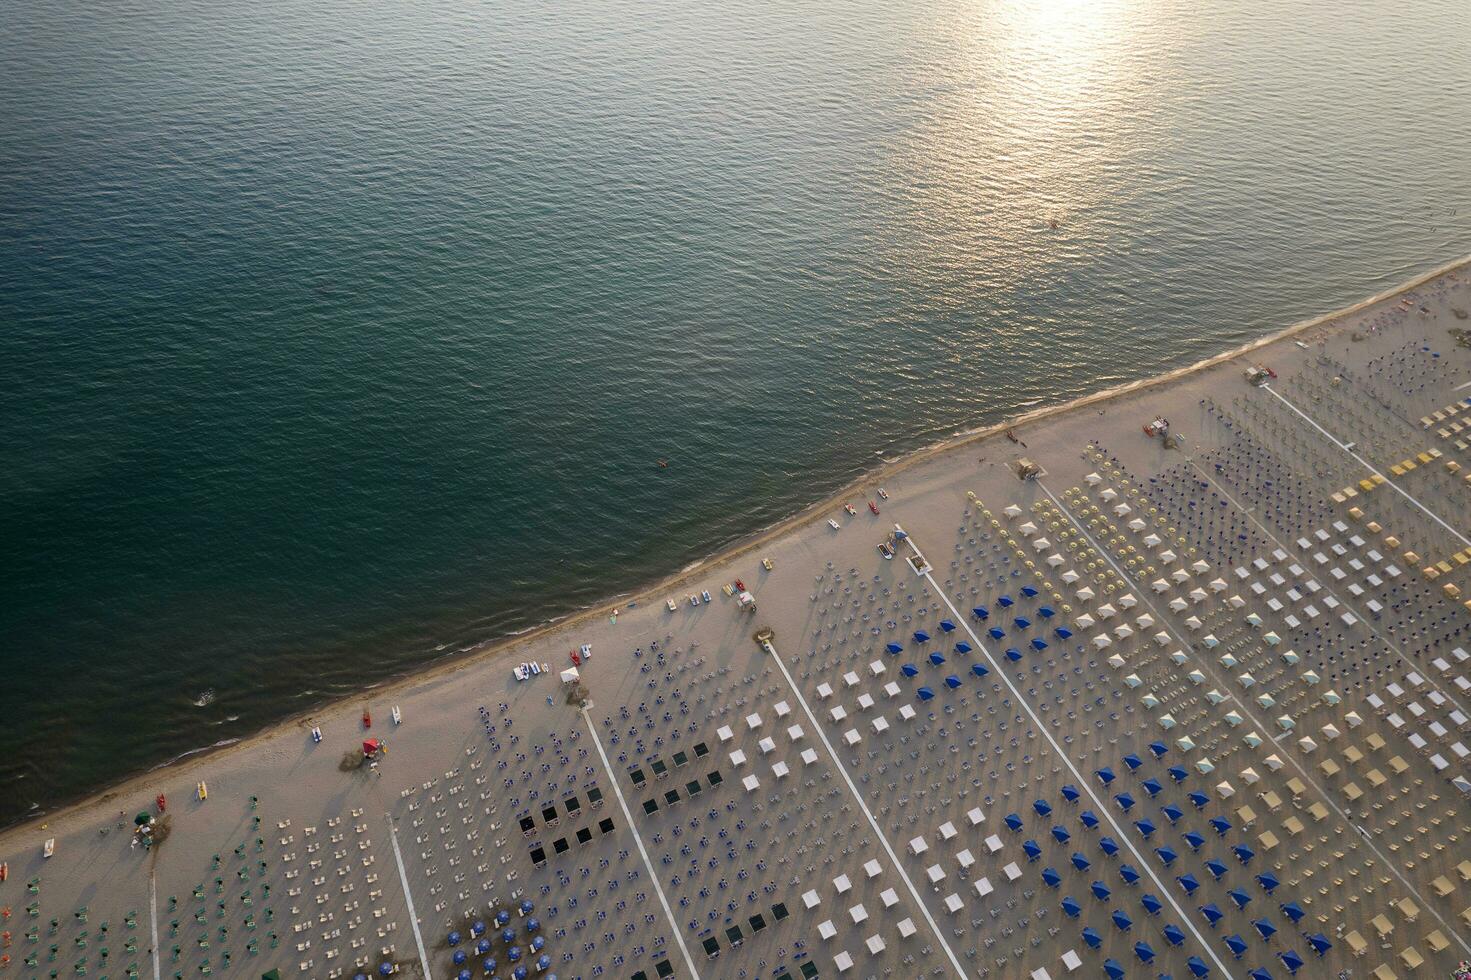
point(90, 807)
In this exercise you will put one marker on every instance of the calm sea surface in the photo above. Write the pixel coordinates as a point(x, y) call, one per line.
point(336, 337)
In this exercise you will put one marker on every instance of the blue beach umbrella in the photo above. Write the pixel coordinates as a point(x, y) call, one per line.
point(1320, 943)
point(936, 659)
point(996, 632)
point(925, 694)
point(1022, 623)
point(962, 647)
point(1064, 633)
point(502, 917)
point(1259, 974)
point(1042, 807)
point(1211, 913)
point(1070, 792)
point(1216, 868)
point(454, 939)
point(1105, 775)
point(1032, 849)
point(482, 947)
point(477, 929)
point(979, 670)
point(1291, 960)
point(1005, 601)
point(1125, 801)
point(952, 681)
point(1100, 891)
point(1121, 921)
point(1113, 969)
point(1197, 967)
point(947, 626)
point(1051, 877)
point(1265, 928)
point(1243, 853)
point(1151, 903)
point(1166, 854)
point(1071, 908)
point(1239, 897)
point(894, 648)
point(1172, 813)
point(1158, 748)
point(1235, 944)
point(1145, 827)
point(1039, 645)
point(909, 670)
point(1013, 654)
point(1046, 612)
point(460, 957)
point(1268, 881)
point(1013, 821)
point(1133, 761)
point(1109, 845)
point(1221, 825)
point(1029, 591)
point(980, 612)
point(1293, 911)
point(1188, 882)
point(1129, 873)
point(1174, 935)
point(1080, 862)
point(1194, 840)
point(1091, 937)
point(920, 636)
point(1089, 819)
point(1152, 787)
point(1060, 834)
point(1177, 773)
point(1142, 950)
point(1199, 799)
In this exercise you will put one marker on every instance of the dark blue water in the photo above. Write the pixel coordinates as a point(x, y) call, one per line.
point(336, 338)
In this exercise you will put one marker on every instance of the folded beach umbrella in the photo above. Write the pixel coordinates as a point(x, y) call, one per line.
point(1060, 834)
point(1151, 903)
point(1070, 792)
point(909, 670)
point(1013, 821)
point(1042, 807)
point(1174, 934)
point(894, 648)
point(1291, 960)
point(1129, 873)
point(1121, 921)
point(1080, 862)
point(996, 632)
point(925, 694)
point(1293, 911)
point(1051, 877)
point(1240, 897)
point(1145, 827)
point(1142, 950)
point(1216, 868)
point(1211, 913)
point(920, 636)
point(1090, 820)
point(1152, 786)
point(1091, 937)
point(952, 682)
point(1197, 967)
point(1235, 944)
point(947, 626)
point(937, 659)
point(1034, 851)
point(1100, 891)
point(979, 670)
point(1166, 854)
point(1268, 881)
point(1112, 968)
point(1243, 853)
point(1071, 908)
point(1188, 882)
point(1109, 845)
point(1199, 799)
point(1265, 928)
point(1013, 654)
point(1105, 775)
point(1133, 761)
point(1125, 801)
point(1194, 840)
point(962, 647)
point(1319, 942)
point(980, 612)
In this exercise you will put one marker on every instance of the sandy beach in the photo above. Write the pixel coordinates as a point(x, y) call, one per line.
point(1279, 601)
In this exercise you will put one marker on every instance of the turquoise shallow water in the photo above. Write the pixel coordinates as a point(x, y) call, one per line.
point(339, 337)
